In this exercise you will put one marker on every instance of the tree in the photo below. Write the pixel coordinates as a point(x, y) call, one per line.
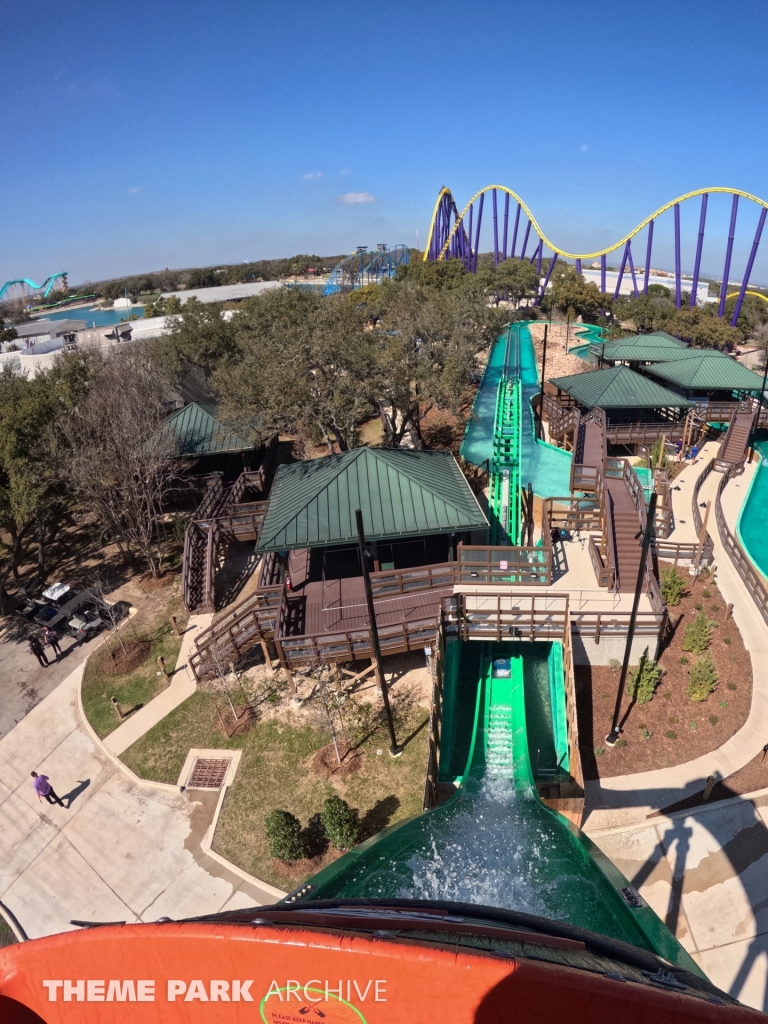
point(341, 823)
point(644, 679)
point(199, 336)
point(162, 306)
point(512, 280)
point(284, 835)
point(698, 635)
point(703, 679)
point(116, 457)
point(672, 586)
point(569, 290)
point(205, 278)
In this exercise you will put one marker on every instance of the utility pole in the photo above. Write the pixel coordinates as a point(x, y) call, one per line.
point(613, 735)
point(394, 749)
point(540, 426)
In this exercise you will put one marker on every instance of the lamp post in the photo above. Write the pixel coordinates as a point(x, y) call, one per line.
point(394, 749)
point(540, 424)
point(613, 735)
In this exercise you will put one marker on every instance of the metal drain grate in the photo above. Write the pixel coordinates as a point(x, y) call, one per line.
point(209, 772)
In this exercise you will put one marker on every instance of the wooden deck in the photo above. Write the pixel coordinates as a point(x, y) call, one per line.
point(332, 606)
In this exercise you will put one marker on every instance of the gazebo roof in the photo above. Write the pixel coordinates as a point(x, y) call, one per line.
point(401, 493)
point(618, 388)
point(643, 348)
point(200, 433)
point(702, 371)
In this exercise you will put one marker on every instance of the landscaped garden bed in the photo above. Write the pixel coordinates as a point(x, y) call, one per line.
point(288, 764)
point(671, 728)
point(126, 667)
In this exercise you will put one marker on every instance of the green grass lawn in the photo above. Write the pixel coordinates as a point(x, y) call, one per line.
point(7, 938)
point(136, 687)
point(276, 772)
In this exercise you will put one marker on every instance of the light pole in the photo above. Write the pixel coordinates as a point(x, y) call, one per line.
point(613, 735)
point(394, 749)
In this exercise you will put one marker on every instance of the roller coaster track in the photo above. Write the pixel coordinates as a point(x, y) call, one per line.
point(457, 234)
point(504, 484)
point(24, 283)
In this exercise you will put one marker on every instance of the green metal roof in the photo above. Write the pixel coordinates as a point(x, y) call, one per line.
point(199, 433)
point(402, 493)
point(648, 348)
point(706, 373)
point(618, 388)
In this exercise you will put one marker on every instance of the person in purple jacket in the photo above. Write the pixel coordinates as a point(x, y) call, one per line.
point(43, 788)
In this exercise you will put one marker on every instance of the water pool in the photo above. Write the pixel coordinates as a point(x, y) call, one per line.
point(754, 514)
point(93, 317)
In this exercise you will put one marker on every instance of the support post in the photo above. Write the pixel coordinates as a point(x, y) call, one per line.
point(525, 240)
point(543, 378)
point(506, 225)
point(495, 232)
point(469, 254)
point(702, 538)
point(602, 273)
point(514, 234)
point(632, 270)
point(538, 258)
point(175, 626)
point(394, 749)
point(578, 266)
point(728, 254)
point(546, 279)
point(678, 296)
point(699, 245)
point(621, 271)
point(613, 735)
point(477, 232)
point(750, 264)
point(648, 248)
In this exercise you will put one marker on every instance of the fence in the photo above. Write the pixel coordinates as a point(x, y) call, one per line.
point(251, 622)
point(435, 722)
point(751, 578)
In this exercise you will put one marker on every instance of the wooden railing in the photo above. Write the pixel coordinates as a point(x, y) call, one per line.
point(435, 721)
point(352, 644)
point(604, 574)
point(642, 433)
point(526, 566)
point(441, 576)
point(752, 579)
point(574, 751)
point(671, 551)
point(232, 636)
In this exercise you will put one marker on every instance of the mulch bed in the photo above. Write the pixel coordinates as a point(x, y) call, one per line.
point(326, 764)
point(123, 661)
point(679, 728)
point(149, 583)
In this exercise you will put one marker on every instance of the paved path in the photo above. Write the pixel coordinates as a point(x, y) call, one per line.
point(706, 875)
point(629, 798)
point(182, 685)
point(125, 850)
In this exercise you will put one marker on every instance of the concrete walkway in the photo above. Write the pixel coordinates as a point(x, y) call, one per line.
point(705, 873)
point(124, 849)
point(182, 685)
point(627, 799)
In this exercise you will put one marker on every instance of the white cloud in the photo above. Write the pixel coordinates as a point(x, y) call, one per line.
point(312, 174)
point(584, 149)
point(134, 190)
point(357, 197)
point(345, 170)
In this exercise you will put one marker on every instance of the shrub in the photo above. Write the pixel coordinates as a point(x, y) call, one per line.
point(659, 454)
point(284, 835)
point(715, 607)
point(619, 744)
point(727, 640)
point(723, 703)
point(683, 660)
point(703, 679)
point(698, 635)
point(341, 823)
point(672, 586)
point(706, 593)
point(671, 734)
point(694, 726)
point(713, 719)
point(645, 733)
point(732, 686)
point(644, 679)
point(673, 719)
point(599, 751)
point(614, 664)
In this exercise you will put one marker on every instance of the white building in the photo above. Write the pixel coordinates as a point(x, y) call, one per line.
point(627, 288)
point(225, 292)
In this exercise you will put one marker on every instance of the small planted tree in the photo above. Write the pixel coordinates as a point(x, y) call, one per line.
point(284, 835)
point(341, 823)
point(703, 679)
point(659, 454)
point(672, 586)
point(698, 635)
point(644, 679)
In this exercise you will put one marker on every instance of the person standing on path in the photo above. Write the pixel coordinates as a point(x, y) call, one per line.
point(43, 788)
point(36, 648)
point(52, 638)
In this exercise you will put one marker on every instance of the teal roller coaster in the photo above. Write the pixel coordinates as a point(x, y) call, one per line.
point(23, 286)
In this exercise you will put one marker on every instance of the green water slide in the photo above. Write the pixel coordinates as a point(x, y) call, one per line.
point(494, 842)
point(504, 484)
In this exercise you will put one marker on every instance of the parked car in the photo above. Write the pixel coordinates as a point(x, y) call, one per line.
point(85, 624)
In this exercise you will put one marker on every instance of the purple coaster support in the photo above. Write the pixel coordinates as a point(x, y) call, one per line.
point(551, 267)
point(602, 273)
point(632, 269)
point(469, 254)
point(648, 258)
point(477, 232)
point(495, 232)
point(506, 225)
point(728, 254)
point(750, 264)
point(514, 236)
point(699, 245)
point(578, 266)
point(678, 297)
point(538, 260)
point(621, 271)
point(525, 240)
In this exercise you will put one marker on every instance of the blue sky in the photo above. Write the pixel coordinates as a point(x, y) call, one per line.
point(144, 135)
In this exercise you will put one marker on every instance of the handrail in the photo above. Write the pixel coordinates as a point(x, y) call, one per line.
point(435, 720)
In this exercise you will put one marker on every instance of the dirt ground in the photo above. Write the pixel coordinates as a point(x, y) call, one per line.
point(678, 729)
point(558, 363)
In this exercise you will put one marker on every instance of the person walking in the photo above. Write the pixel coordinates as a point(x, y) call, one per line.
point(43, 788)
point(36, 648)
point(52, 638)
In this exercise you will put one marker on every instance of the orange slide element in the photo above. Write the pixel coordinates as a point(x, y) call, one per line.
point(210, 973)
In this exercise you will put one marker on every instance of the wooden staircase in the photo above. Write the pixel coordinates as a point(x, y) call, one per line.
point(733, 448)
